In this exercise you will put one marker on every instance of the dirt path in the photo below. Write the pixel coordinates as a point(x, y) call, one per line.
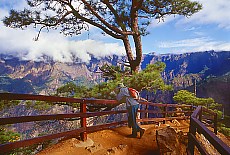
point(113, 141)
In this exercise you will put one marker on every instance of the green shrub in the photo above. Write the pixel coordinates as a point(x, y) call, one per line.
point(8, 136)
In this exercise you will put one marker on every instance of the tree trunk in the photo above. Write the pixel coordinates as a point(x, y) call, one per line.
point(134, 62)
point(138, 46)
point(136, 36)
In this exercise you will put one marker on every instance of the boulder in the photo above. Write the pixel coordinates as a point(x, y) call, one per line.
point(169, 143)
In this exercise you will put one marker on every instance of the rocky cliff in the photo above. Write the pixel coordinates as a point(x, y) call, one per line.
point(182, 70)
point(210, 71)
point(44, 77)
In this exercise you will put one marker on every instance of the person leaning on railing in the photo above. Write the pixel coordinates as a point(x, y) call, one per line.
point(132, 106)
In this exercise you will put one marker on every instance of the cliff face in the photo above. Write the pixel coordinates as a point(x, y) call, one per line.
point(46, 77)
point(182, 70)
point(210, 70)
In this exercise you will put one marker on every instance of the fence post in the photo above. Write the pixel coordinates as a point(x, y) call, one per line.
point(192, 131)
point(200, 118)
point(83, 135)
point(146, 113)
point(200, 114)
point(165, 113)
point(215, 123)
point(191, 110)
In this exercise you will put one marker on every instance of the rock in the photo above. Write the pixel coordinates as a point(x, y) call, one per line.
point(122, 147)
point(94, 148)
point(168, 142)
point(176, 122)
point(112, 150)
point(86, 143)
point(119, 150)
point(182, 138)
point(179, 112)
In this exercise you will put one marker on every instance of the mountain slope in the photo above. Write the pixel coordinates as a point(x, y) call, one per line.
point(182, 70)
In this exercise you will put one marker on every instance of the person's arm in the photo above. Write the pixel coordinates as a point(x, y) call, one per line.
point(121, 96)
point(143, 99)
point(140, 98)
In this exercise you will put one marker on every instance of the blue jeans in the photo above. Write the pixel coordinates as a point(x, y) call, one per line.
point(132, 114)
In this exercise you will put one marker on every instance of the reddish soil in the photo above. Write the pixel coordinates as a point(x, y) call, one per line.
point(115, 141)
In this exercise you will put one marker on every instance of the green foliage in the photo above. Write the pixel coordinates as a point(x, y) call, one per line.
point(81, 91)
point(66, 90)
point(186, 97)
point(121, 14)
point(83, 81)
point(39, 105)
point(149, 79)
point(104, 90)
point(8, 136)
point(70, 89)
point(112, 72)
point(8, 104)
point(219, 113)
point(223, 129)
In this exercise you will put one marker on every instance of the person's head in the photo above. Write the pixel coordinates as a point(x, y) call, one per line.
point(119, 86)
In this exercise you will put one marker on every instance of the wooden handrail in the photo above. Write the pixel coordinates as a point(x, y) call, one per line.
point(198, 145)
point(11, 96)
point(82, 115)
point(28, 142)
point(196, 113)
point(197, 125)
point(21, 119)
point(10, 146)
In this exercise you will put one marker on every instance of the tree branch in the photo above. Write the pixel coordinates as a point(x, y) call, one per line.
point(36, 38)
point(57, 22)
point(75, 12)
point(117, 17)
point(102, 19)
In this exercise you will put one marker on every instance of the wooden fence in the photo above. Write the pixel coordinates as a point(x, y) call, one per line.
point(167, 111)
point(197, 126)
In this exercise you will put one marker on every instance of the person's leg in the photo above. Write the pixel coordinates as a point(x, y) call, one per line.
point(134, 118)
point(130, 122)
point(132, 114)
point(136, 127)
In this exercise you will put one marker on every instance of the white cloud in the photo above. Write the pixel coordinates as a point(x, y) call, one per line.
point(213, 12)
point(53, 44)
point(184, 43)
point(195, 45)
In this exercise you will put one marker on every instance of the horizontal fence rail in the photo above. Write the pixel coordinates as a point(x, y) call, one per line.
point(196, 125)
point(82, 115)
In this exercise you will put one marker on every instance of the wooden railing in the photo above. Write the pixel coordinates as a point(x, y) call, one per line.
point(82, 115)
point(198, 126)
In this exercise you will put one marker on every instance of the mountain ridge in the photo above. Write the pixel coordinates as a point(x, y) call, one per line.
point(44, 77)
point(198, 66)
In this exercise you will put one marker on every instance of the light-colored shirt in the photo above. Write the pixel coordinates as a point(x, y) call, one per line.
point(124, 94)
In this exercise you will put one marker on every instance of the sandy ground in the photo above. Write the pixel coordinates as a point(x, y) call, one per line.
point(114, 141)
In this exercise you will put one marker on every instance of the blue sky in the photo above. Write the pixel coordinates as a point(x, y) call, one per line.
point(208, 29)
